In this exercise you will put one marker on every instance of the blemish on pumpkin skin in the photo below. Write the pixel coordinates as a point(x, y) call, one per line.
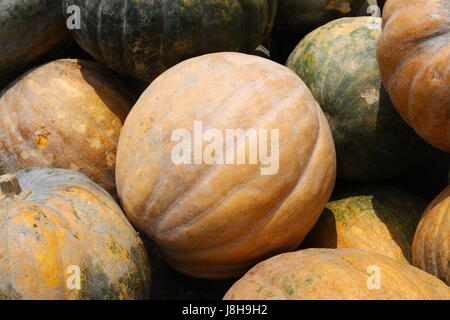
point(146, 124)
point(371, 95)
point(110, 159)
point(42, 139)
point(437, 76)
point(95, 144)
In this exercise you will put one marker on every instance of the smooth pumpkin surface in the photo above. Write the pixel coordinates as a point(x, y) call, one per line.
point(431, 248)
point(338, 63)
point(30, 31)
point(143, 38)
point(305, 15)
point(65, 114)
point(216, 220)
point(336, 274)
point(414, 55)
point(376, 218)
point(52, 220)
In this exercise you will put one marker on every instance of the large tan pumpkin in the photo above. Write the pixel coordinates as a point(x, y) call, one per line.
point(65, 114)
point(336, 274)
point(414, 55)
point(431, 247)
point(63, 237)
point(216, 220)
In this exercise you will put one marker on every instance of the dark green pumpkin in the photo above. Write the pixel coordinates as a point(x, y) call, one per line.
point(31, 31)
point(143, 38)
point(304, 15)
point(338, 63)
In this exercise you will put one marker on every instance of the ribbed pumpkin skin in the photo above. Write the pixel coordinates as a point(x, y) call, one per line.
point(338, 63)
point(30, 30)
point(335, 274)
point(65, 114)
point(67, 220)
point(144, 38)
point(305, 15)
point(215, 221)
point(376, 218)
point(431, 248)
point(413, 54)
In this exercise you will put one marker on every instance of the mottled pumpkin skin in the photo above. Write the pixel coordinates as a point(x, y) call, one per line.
point(335, 274)
point(414, 55)
point(338, 63)
point(431, 248)
point(65, 114)
point(305, 15)
point(63, 219)
point(376, 218)
point(143, 38)
point(215, 221)
point(30, 31)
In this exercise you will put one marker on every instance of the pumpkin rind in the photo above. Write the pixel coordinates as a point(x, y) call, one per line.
point(63, 219)
point(215, 221)
point(413, 55)
point(144, 38)
point(338, 63)
point(30, 31)
point(305, 15)
point(335, 274)
point(431, 247)
point(376, 218)
point(65, 114)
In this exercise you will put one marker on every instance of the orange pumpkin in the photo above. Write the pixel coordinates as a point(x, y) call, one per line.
point(376, 218)
point(336, 274)
point(431, 247)
point(215, 220)
point(65, 114)
point(414, 55)
point(63, 237)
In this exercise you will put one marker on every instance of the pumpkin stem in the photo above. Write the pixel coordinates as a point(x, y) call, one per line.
point(9, 186)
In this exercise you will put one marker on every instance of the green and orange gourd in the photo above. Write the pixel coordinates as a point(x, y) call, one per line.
point(64, 237)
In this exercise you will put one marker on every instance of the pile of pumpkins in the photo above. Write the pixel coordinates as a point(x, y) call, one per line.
point(93, 205)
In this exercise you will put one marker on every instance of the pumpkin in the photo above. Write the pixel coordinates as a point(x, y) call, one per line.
point(376, 218)
point(214, 217)
point(338, 63)
point(305, 15)
point(30, 31)
point(65, 114)
point(144, 38)
point(63, 237)
point(336, 274)
point(431, 247)
point(413, 55)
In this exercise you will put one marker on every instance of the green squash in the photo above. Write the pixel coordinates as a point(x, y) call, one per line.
point(31, 32)
point(376, 218)
point(338, 63)
point(304, 15)
point(143, 38)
